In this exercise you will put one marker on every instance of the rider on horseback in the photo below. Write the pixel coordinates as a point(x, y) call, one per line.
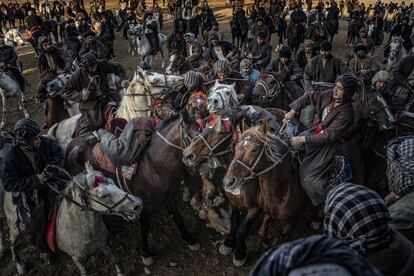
point(151, 30)
point(89, 86)
point(248, 72)
point(194, 50)
point(8, 63)
point(50, 58)
point(259, 51)
point(25, 172)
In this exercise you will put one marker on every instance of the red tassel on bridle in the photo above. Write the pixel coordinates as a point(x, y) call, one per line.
point(98, 180)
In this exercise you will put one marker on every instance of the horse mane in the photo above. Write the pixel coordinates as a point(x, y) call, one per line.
point(127, 106)
point(271, 142)
point(166, 122)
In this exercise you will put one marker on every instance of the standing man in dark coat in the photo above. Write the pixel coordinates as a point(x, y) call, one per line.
point(24, 175)
point(220, 50)
point(259, 51)
point(71, 35)
point(323, 68)
point(89, 87)
point(8, 63)
point(334, 118)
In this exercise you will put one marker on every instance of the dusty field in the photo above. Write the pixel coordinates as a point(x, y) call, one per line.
point(164, 240)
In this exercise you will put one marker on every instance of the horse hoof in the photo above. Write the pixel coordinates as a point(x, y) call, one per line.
point(21, 268)
point(239, 263)
point(225, 250)
point(148, 261)
point(194, 247)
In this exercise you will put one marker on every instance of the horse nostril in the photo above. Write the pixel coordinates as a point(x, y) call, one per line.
point(190, 157)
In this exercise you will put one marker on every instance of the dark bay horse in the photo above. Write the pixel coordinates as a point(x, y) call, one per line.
point(158, 177)
point(269, 92)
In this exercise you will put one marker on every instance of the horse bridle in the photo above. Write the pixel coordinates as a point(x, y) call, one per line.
point(211, 149)
point(270, 93)
point(274, 159)
point(86, 197)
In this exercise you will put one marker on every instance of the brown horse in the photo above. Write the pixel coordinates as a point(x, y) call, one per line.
point(157, 180)
point(55, 111)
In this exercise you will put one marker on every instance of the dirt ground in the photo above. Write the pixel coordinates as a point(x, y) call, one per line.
point(165, 241)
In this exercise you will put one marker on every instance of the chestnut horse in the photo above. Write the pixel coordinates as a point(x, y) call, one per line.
point(158, 177)
point(266, 157)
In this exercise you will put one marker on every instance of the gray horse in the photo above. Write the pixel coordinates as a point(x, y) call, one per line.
point(80, 230)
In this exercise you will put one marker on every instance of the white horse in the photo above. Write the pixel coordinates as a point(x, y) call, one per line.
point(80, 230)
point(144, 49)
point(222, 96)
point(55, 87)
point(136, 102)
point(397, 53)
point(14, 38)
point(10, 87)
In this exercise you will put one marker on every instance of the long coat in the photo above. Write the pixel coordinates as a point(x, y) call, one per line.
point(323, 141)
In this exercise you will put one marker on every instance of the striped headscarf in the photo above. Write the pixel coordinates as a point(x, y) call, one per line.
point(357, 215)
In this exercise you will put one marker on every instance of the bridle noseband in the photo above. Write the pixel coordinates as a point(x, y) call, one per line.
point(270, 92)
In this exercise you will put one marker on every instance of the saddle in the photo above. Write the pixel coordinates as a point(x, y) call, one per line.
point(101, 160)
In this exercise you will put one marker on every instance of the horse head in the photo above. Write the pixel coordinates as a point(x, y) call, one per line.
point(222, 96)
point(375, 109)
point(215, 140)
point(257, 151)
point(99, 194)
point(266, 89)
point(55, 86)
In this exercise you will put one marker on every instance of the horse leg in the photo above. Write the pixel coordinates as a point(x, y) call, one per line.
point(230, 241)
point(4, 104)
point(115, 260)
point(173, 211)
point(287, 231)
point(240, 256)
point(2, 245)
point(145, 223)
point(20, 266)
point(22, 100)
point(263, 229)
point(80, 264)
point(162, 56)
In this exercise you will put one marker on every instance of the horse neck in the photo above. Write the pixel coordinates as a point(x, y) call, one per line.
point(360, 113)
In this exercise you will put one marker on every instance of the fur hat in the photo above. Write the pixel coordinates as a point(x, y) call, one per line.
point(350, 83)
point(284, 52)
point(326, 46)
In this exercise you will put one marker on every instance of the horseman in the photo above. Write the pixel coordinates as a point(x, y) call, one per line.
point(105, 35)
point(401, 88)
point(363, 65)
point(333, 16)
point(298, 16)
point(304, 56)
point(194, 50)
point(323, 142)
point(51, 60)
point(220, 50)
point(366, 41)
point(91, 44)
point(259, 51)
point(404, 30)
point(248, 72)
point(71, 37)
point(151, 31)
point(288, 72)
point(89, 86)
point(25, 173)
point(323, 68)
point(226, 75)
point(179, 24)
point(260, 28)
point(380, 83)
point(8, 63)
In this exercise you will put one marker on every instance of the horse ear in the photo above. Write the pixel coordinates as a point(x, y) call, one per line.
point(263, 126)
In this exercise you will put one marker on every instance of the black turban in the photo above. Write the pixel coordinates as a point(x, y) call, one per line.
point(350, 83)
point(326, 45)
point(312, 250)
point(25, 131)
